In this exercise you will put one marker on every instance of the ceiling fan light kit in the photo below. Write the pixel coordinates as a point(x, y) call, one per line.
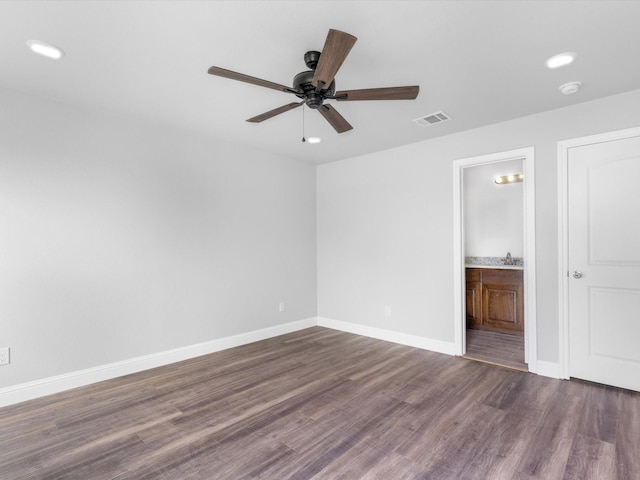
point(317, 85)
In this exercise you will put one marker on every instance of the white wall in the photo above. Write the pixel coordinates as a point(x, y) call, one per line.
point(120, 238)
point(385, 231)
point(493, 222)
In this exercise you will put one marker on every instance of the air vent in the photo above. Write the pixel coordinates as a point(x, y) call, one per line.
point(432, 119)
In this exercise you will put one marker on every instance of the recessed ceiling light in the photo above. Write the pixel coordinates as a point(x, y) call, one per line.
point(314, 139)
point(45, 49)
point(561, 60)
point(570, 88)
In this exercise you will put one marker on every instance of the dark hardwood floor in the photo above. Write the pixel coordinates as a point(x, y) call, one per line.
point(496, 348)
point(325, 404)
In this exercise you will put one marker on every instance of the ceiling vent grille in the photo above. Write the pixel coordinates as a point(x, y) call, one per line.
point(432, 119)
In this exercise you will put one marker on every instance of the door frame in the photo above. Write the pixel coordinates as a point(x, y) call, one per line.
point(563, 232)
point(459, 307)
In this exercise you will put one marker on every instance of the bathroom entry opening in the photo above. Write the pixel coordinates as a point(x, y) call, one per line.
point(494, 234)
point(492, 208)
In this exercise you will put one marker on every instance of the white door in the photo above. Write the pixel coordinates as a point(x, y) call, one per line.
point(604, 262)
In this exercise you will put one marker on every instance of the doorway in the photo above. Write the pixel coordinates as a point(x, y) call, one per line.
point(498, 294)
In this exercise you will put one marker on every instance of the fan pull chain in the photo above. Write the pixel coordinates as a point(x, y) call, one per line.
point(303, 139)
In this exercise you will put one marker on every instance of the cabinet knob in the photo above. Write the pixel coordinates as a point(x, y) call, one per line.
point(577, 274)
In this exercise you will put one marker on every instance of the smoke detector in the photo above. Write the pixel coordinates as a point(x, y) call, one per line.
point(570, 88)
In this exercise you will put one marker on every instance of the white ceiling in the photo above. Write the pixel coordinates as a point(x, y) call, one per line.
point(482, 62)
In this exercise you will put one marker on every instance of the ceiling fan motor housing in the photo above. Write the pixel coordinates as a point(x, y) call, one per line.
point(311, 97)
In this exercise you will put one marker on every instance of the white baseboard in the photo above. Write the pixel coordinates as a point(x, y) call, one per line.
point(67, 381)
point(548, 369)
point(60, 383)
point(390, 336)
point(545, 369)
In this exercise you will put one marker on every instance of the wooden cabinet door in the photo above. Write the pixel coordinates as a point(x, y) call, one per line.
point(501, 306)
point(502, 300)
point(474, 297)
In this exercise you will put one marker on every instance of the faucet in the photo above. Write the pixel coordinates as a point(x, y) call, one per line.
point(508, 260)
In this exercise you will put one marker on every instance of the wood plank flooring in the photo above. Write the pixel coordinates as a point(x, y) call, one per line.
point(496, 348)
point(323, 404)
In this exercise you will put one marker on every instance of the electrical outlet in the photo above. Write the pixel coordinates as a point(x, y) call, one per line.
point(281, 306)
point(387, 311)
point(4, 355)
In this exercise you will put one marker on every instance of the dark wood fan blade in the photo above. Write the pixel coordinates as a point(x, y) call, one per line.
point(336, 48)
point(336, 120)
point(389, 93)
point(274, 112)
point(221, 72)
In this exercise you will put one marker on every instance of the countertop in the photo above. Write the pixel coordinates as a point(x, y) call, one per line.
point(497, 267)
point(494, 262)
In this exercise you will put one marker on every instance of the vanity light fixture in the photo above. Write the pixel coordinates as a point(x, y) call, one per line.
point(513, 178)
point(45, 49)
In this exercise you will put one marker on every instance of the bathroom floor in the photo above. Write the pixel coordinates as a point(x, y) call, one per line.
point(496, 348)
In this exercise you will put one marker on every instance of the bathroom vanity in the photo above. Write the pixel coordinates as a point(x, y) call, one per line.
point(495, 298)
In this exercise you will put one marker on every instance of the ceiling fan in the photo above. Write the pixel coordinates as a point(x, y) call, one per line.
point(317, 85)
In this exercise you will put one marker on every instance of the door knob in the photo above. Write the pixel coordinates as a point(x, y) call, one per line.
point(577, 274)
